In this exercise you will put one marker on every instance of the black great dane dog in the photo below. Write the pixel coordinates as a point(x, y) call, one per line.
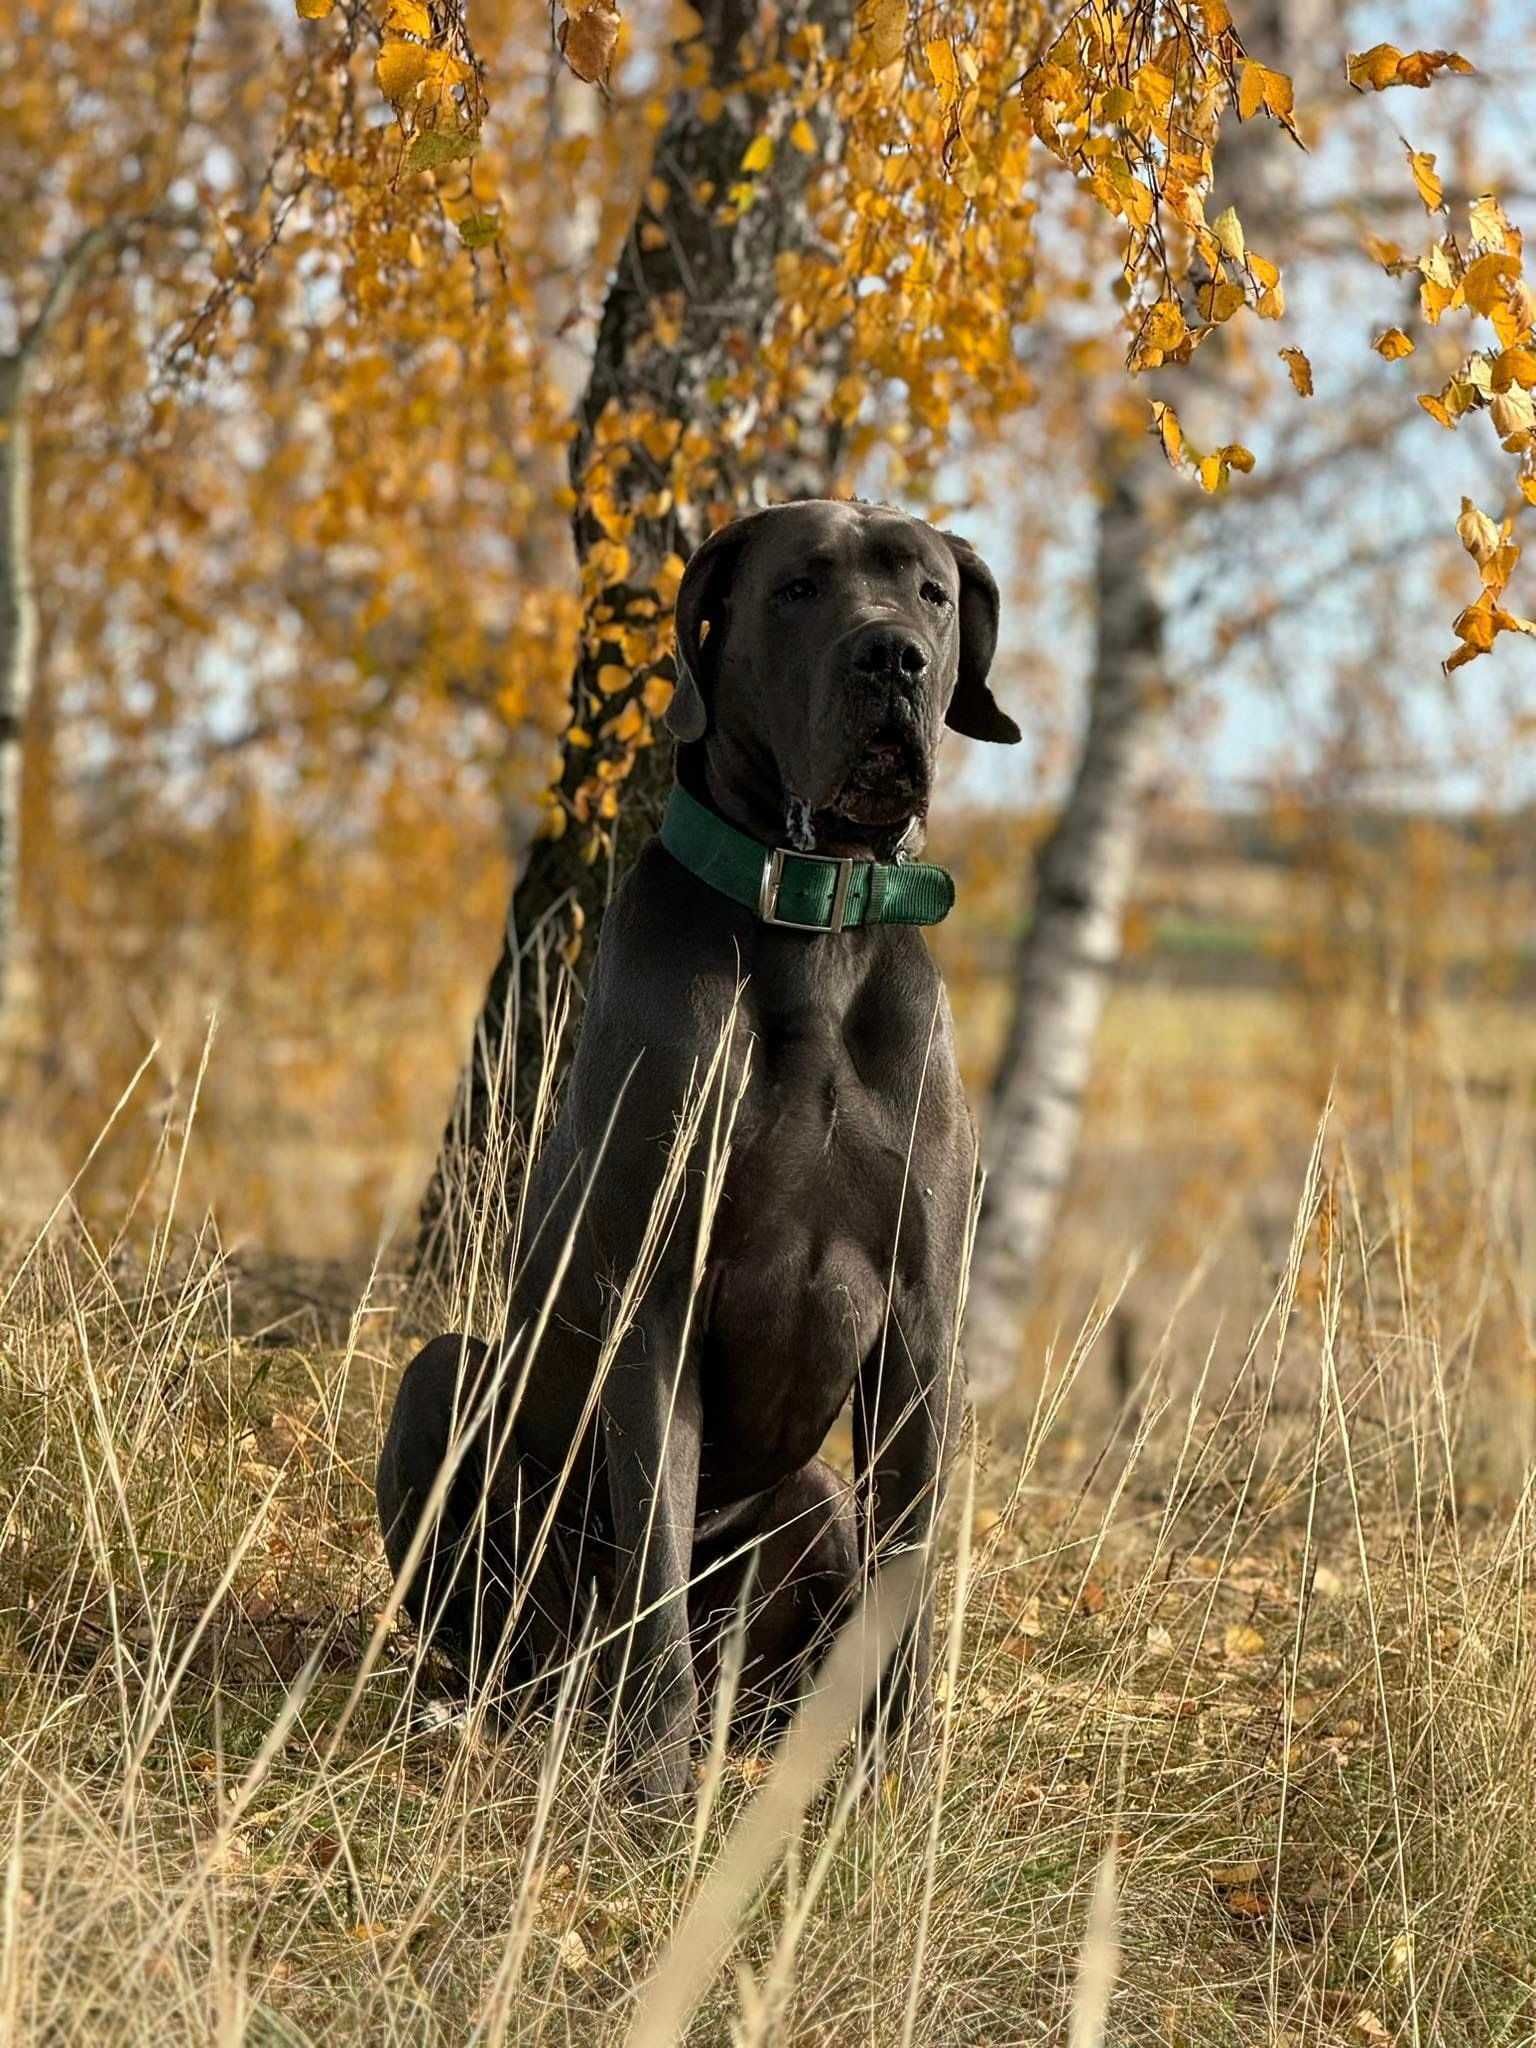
point(648, 1447)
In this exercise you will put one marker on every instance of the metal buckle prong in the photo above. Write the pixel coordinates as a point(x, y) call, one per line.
point(773, 875)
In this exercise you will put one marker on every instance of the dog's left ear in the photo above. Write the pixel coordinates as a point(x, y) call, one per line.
point(973, 710)
point(700, 622)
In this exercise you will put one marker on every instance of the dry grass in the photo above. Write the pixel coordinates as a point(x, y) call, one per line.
point(1236, 1733)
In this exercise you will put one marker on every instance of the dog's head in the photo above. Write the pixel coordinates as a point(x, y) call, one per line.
point(821, 648)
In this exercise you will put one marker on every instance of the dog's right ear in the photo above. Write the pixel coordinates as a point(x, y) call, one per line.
point(700, 622)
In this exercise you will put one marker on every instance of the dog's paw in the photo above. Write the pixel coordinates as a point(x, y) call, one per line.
point(662, 1789)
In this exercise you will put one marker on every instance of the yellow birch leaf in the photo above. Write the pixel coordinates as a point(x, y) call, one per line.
point(1475, 625)
point(1375, 69)
point(627, 724)
point(1421, 162)
point(1487, 280)
point(314, 10)
point(803, 137)
point(1250, 90)
point(401, 68)
point(1491, 225)
point(1419, 67)
point(944, 70)
point(1228, 230)
point(758, 154)
point(607, 561)
point(1165, 424)
point(1164, 326)
point(1515, 366)
point(409, 18)
point(1221, 299)
point(1296, 362)
point(1279, 95)
point(588, 40)
point(882, 26)
point(1477, 533)
point(1393, 345)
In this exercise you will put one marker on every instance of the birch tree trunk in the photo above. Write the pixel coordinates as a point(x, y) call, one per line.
point(18, 656)
point(18, 599)
point(1084, 873)
point(1071, 945)
point(716, 280)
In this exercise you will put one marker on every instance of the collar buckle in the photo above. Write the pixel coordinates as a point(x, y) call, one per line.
point(772, 879)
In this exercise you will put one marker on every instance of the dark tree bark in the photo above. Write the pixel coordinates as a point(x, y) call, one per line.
point(708, 274)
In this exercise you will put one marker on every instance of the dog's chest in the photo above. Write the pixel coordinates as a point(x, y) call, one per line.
point(830, 1219)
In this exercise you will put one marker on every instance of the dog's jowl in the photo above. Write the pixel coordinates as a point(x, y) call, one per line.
point(652, 1461)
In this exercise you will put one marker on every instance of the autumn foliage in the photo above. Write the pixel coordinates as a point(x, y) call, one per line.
point(303, 492)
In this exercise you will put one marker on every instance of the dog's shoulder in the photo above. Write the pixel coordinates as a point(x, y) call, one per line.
point(665, 928)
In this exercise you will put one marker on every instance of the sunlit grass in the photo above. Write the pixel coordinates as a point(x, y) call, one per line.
point(1237, 1700)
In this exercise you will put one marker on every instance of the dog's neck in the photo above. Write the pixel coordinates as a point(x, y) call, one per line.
point(749, 794)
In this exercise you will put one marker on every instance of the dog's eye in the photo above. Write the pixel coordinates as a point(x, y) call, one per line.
point(935, 593)
point(797, 591)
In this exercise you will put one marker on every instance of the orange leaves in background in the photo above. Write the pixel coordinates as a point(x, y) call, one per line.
point(588, 38)
point(1133, 107)
point(1376, 69)
point(1212, 471)
point(1261, 89)
point(1426, 179)
point(880, 33)
point(1392, 345)
point(1495, 554)
point(426, 70)
point(1484, 279)
point(1299, 369)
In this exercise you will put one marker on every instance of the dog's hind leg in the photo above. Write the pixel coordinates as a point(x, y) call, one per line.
point(799, 1561)
point(475, 1590)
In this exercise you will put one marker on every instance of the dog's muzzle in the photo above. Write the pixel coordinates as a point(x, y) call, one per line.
point(887, 780)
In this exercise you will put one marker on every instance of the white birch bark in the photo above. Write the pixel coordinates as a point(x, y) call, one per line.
point(18, 649)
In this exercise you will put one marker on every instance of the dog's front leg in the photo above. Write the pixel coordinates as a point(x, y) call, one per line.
point(651, 1415)
point(906, 1407)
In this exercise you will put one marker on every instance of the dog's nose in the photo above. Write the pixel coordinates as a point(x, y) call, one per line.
point(887, 654)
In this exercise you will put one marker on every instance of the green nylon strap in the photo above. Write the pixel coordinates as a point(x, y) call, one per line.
point(801, 888)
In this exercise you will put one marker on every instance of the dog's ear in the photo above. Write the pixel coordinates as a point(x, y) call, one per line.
point(973, 709)
point(700, 605)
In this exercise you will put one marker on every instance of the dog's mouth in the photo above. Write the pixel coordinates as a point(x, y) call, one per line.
point(886, 785)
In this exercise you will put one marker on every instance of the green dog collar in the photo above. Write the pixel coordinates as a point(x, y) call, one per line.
point(807, 892)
